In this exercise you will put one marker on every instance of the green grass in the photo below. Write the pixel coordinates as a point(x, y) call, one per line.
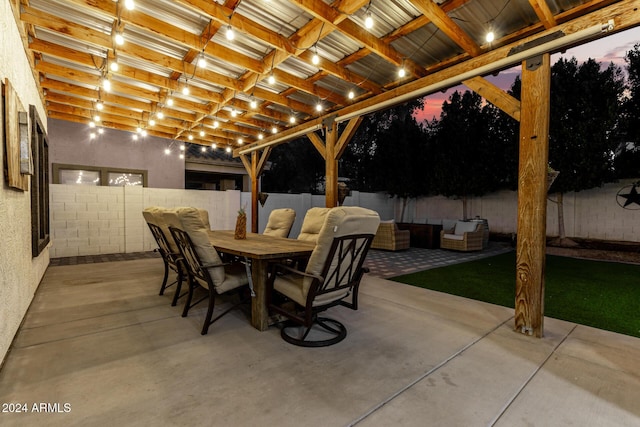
point(604, 295)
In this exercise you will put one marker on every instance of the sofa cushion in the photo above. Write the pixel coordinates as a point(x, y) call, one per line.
point(449, 224)
point(453, 236)
point(465, 227)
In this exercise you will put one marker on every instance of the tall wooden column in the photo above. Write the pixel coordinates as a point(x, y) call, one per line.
point(532, 195)
point(331, 166)
point(331, 150)
point(254, 168)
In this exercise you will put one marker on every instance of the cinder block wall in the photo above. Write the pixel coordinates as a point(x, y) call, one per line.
point(88, 220)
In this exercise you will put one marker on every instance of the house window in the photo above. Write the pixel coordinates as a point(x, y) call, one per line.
point(40, 228)
point(92, 175)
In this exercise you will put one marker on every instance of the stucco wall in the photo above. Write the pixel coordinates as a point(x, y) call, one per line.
point(70, 144)
point(20, 274)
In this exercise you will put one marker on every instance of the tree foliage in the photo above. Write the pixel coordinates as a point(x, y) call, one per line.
point(627, 161)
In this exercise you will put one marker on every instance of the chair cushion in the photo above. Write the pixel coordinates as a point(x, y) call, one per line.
point(204, 215)
point(192, 223)
point(312, 223)
point(280, 222)
point(453, 236)
point(291, 285)
point(156, 215)
point(339, 221)
point(448, 224)
point(464, 227)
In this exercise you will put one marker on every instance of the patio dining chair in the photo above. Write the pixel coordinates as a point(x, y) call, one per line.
point(168, 251)
point(205, 268)
point(331, 278)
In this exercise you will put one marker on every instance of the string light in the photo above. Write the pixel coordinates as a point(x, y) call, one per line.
point(202, 133)
point(119, 38)
point(134, 137)
point(402, 72)
point(144, 132)
point(216, 124)
point(96, 118)
point(203, 148)
point(260, 136)
point(274, 130)
point(167, 151)
point(230, 34)
point(99, 105)
point(139, 129)
point(234, 113)
point(228, 149)
point(490, 37)
point(190, 138)
point(170, 102)
point(100, 131)
point(185, 88)
point(129, 4)
point(106, 84)
point(240, 141)
point(92, 124)
point(114, 66)
point(319, 106)
point(214, 145)
point(271, 79)
point(182, 147)
point(292, 119)
point(152, 122)
point(351, 94)
point(253, 103)
point(160, 115)
point(315, 59)
point(92, 135)
point(202, 62)
point(181, 156)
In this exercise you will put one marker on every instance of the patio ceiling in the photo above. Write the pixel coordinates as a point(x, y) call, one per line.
point(231, 101)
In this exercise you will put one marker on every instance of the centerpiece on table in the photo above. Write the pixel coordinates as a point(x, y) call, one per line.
point(241, 225)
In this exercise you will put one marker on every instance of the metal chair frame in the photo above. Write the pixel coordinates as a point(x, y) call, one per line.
point(196, 269)
point(343, 269)
point(172, 261)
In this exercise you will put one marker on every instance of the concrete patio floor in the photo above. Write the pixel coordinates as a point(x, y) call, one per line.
point(98, 338)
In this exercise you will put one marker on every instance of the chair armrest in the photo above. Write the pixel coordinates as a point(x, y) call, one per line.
point(301, 273)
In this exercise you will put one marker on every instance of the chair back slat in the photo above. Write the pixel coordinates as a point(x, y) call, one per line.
point(343, 268)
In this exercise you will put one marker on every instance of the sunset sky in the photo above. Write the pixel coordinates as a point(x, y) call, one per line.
point(608, 49)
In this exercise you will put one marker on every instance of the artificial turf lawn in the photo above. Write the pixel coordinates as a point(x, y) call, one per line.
point(605, 295)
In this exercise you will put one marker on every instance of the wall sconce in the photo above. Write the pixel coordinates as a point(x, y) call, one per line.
point(262, 198)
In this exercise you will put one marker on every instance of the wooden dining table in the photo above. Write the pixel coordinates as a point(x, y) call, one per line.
point(261, 250)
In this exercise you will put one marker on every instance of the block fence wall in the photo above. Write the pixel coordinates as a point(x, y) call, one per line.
point(99, 220)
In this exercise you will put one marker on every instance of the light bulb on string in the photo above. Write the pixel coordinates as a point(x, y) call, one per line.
point(170, 102)
point(490, 37)
point(214, 145)
point(182, 147)
point(368, 21)
point(274, 130)
point(216, 124)
point(144, 132)
point(99, 105)
point(152, 122)
point(167, 151)
point(113, 66)
point(202, 133)
point(203, 148)
point(92, 124)
point(202, 62)
point(119, 39)
point(230, 34)
point(351, 94)
point(271, 79)
point(253, 103)
point(129, 4)
point(160, 115)
point(134, 137)
point(106, 84)
point(260, 136)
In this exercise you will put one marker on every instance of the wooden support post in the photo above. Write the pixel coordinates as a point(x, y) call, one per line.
point(331, 166)
point(255, 186)
point(532, 195)
point(254, 169)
